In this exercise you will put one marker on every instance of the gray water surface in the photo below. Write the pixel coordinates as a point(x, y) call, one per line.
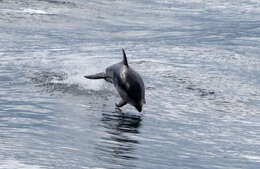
point(201, 67)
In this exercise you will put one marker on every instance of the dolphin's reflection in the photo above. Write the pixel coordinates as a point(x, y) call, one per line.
point(119, 142)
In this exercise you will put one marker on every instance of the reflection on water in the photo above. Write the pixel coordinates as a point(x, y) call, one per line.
point(118, 144)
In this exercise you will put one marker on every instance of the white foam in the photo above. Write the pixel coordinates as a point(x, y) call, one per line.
point(252, 158)
point(26, 11)
point(34, 11)
point(12, 164)
point(76, 68)
point(85, 83)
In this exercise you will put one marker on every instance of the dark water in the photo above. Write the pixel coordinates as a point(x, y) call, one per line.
point(199, 60)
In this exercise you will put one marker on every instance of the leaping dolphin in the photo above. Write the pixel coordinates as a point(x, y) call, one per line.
point(127, 82)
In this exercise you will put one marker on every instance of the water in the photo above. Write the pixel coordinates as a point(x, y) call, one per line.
point(199, 61)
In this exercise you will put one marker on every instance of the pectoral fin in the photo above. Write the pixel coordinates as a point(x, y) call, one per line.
point(121, 103)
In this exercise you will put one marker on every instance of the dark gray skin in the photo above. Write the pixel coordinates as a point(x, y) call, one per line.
point(127, 82)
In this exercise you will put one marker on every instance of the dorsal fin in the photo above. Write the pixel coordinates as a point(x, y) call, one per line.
point(124, 58)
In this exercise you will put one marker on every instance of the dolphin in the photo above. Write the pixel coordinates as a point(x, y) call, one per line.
point(127, 82)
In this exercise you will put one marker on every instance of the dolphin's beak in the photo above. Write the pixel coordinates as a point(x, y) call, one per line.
point(139, 107)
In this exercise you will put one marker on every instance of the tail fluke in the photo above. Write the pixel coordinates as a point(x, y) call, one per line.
point(97, 76)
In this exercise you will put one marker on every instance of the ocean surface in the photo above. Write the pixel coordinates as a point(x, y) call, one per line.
point(200, 62)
